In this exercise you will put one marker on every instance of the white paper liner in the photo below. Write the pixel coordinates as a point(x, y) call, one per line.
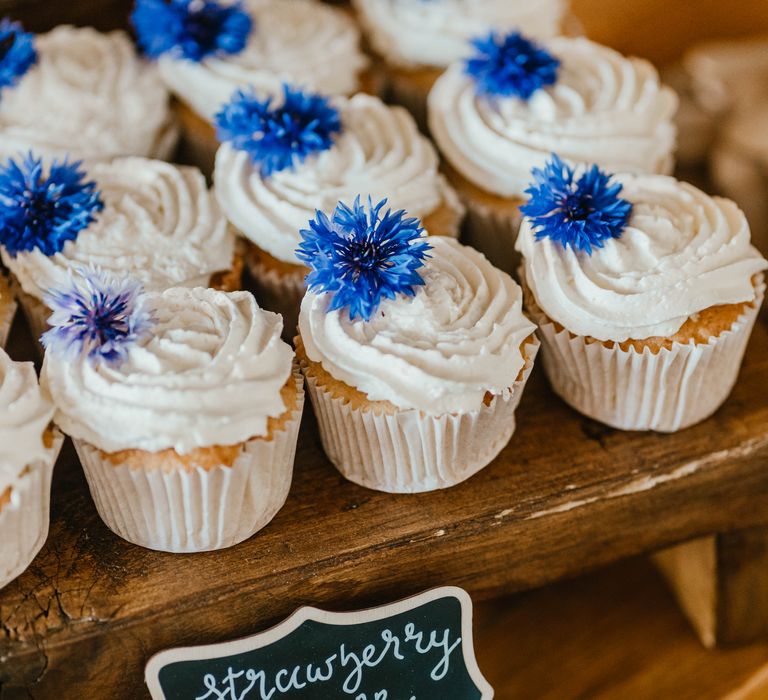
point(279, 293)
point(36, 313)
point(410, 451)
point(197, 510)
point(742, 177)
point(403, 91)
point(493, 233)
point(629, 390)
point(25, 519)
point(7, 314)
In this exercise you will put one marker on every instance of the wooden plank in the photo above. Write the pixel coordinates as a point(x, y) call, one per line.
point(615, 633)
point(721, 582)
point(564, 496)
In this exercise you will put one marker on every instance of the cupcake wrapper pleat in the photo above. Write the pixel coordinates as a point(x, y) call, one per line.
point(407, 93)
point(629, 390)
point(36, 313)
point(410, 451)
point(196, 510)
point(279, 293)
point(7, 314)
point(24, 520)
point(494, 234)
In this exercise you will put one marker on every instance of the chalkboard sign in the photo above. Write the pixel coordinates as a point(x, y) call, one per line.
point(417, 649)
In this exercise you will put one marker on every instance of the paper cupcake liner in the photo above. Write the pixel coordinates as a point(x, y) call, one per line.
point(36, 313)
point(402, 90)
point(196, 510)
point(630, 390)
point(493, 233)
point(410, 451)
point(277, 292)
point(25, 519)
point(743, 178)
point(7, 314)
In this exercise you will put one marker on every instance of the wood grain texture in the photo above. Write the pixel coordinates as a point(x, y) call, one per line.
point(564, 496)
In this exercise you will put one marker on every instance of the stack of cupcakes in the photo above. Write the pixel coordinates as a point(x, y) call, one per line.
point(153, 220)
point(417, 40)
point(282, 160)
point(510, 105)
point(208, 50)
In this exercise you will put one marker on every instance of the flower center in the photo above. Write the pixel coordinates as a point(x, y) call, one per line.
point(577, 206)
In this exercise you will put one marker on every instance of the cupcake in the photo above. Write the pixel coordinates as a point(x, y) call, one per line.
point(207, 50)
point(738, 165)
point(281, 162)
point(505, 110)
point(183, 406)
point(78, 92)
point(645, 291)
point(419, 40)
point(28, 450)
point(414, 348)
point(7, 309)
point(146, 218)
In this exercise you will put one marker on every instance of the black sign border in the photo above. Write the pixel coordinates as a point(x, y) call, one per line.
point(292, 623)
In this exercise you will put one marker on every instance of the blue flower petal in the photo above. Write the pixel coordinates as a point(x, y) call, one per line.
point(44, 212)
point(362, 256)
point(191, 29)
point(510, 66)
point(98, 316)
point(278, 138)
point(581, 213)
point(17, 52)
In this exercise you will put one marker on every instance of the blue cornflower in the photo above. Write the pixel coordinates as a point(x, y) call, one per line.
point(277, 138)
point(191, 29)
point(97, 315)
point(362, 257)
point(579, 213)
point(510, 66)
point(17, 52)
point(44, 212)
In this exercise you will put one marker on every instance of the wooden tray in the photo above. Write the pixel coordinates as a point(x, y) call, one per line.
point(565, 495)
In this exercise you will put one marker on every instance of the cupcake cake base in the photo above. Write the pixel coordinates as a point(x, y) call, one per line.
point(209, 499)
point(7, 310)
point(661, 384)
point(25, 513)
point(379, 446)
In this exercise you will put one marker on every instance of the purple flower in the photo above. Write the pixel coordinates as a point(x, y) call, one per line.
point(278, 137)
point(510, 66)
point(362, 256)
point(97, 315)
point(44, 212)
point(579, 213)
point(191, 29)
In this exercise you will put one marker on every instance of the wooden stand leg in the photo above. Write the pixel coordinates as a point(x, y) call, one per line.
point(721, 583)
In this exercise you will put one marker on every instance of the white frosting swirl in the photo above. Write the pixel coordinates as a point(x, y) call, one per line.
point(440, 351)
point(682, 252)
point(604, 109)
point(380, 152)
point(437, 32)
point(301, 42)
point(89, 96)
point(160, 224)
point(25, 412)
point(210, 375)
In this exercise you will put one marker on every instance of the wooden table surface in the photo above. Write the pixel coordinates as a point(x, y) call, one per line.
point(565, 495)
